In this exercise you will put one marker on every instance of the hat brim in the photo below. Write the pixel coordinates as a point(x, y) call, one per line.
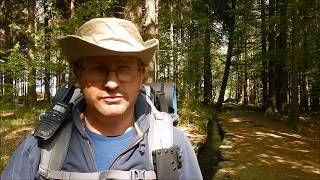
point(75, 48)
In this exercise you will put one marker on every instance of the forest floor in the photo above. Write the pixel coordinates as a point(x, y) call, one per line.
point(256, 147)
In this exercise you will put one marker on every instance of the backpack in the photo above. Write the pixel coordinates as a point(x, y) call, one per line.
point(162, 152)
point(163, 96)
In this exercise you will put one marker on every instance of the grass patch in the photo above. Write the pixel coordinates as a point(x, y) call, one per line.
point(16, 122)
point(193, 112)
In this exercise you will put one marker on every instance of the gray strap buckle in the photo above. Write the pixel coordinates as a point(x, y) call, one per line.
point(137, 174)
point(42, 172)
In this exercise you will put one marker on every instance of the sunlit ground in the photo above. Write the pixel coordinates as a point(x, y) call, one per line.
point(15, 124)
point(264, 149)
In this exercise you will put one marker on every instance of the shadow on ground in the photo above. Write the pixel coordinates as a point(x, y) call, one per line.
point(256, 147)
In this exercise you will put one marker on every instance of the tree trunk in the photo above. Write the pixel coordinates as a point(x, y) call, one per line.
point(71, 80)
point(304, 105)
point(207, 75)
point(264, 56)
point(62, 80)
point(272, 110)
point(32, 94)
point(47, 94)
point(295, 62)
point(303, 91)
point(315, 96)
point(228, 64)
point(253, 92)
point(231, 28)
point(238, 69)
point(172, 58)
point(245, 83)
point(150, 32)
point(315, 91)
point(7, 95)
point(282, 57)
point(133, 12)
point(238, 89)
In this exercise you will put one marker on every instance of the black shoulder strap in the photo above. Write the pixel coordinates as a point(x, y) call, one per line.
point(165, 96)
point(54, 153)
point(162, 99)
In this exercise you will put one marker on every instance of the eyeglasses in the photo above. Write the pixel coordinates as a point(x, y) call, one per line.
point(99, 73)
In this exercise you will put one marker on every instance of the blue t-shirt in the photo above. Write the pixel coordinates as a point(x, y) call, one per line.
point(107, 148)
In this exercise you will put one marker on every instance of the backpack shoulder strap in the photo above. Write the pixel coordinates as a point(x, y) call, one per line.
point(162, 99)
point(163, 155)
point(161, 129)
point(59, 145)
point(54, 152)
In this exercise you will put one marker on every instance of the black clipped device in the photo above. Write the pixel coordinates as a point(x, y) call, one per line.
point(166, 163)
point(51, 120)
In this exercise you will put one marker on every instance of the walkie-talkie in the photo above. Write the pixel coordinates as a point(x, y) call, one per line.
point(52, 119)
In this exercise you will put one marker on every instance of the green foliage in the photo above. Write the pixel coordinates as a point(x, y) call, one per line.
point(180, 58)
point(193, 112)
point(86, 11)
point(15, 64)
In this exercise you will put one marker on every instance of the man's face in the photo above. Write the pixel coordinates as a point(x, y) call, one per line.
point(110, 84)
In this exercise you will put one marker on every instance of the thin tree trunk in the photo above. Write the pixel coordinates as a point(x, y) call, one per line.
point(182, 28)
point(47, 94)
point(32, 94)
point(315, 96)
point(227, 67)
point(304, 107)
point(264, 56)
point(62, 80)
point(231, 89)
point(303, 91)
point(245, 83)
point(253, 92)
point(207, 75)
point(315, 91)
point(71, 8)
point(295, 62)
point(150, 33)
point(229, 55)
point(238, 72)
point(8, 96)
point(172, 58)
point(238, 92)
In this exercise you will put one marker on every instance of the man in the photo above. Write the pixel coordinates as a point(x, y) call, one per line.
point(112, 124)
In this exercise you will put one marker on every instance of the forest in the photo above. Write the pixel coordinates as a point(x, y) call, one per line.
point(262, 53)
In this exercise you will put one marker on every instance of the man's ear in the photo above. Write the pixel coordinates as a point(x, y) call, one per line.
point(142, 74)
point(77, 74)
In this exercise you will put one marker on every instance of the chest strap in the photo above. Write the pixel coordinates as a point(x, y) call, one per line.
point(103, 175)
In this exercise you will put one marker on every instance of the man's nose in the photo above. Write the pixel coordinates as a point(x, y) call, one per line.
point(112, 81)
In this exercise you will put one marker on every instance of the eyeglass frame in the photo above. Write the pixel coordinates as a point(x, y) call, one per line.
point(79, 64)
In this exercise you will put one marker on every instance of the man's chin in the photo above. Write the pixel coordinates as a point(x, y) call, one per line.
point(114, 110)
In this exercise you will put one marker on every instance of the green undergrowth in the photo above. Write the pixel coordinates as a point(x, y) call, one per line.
point(17, 121)
point(193, 112)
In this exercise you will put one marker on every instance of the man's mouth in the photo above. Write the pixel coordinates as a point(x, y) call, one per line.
point(112, 99)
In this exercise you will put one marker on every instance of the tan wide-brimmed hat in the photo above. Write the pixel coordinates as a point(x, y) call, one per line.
point(107, 36)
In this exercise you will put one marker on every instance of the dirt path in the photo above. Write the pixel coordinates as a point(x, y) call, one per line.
point(255, 147)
